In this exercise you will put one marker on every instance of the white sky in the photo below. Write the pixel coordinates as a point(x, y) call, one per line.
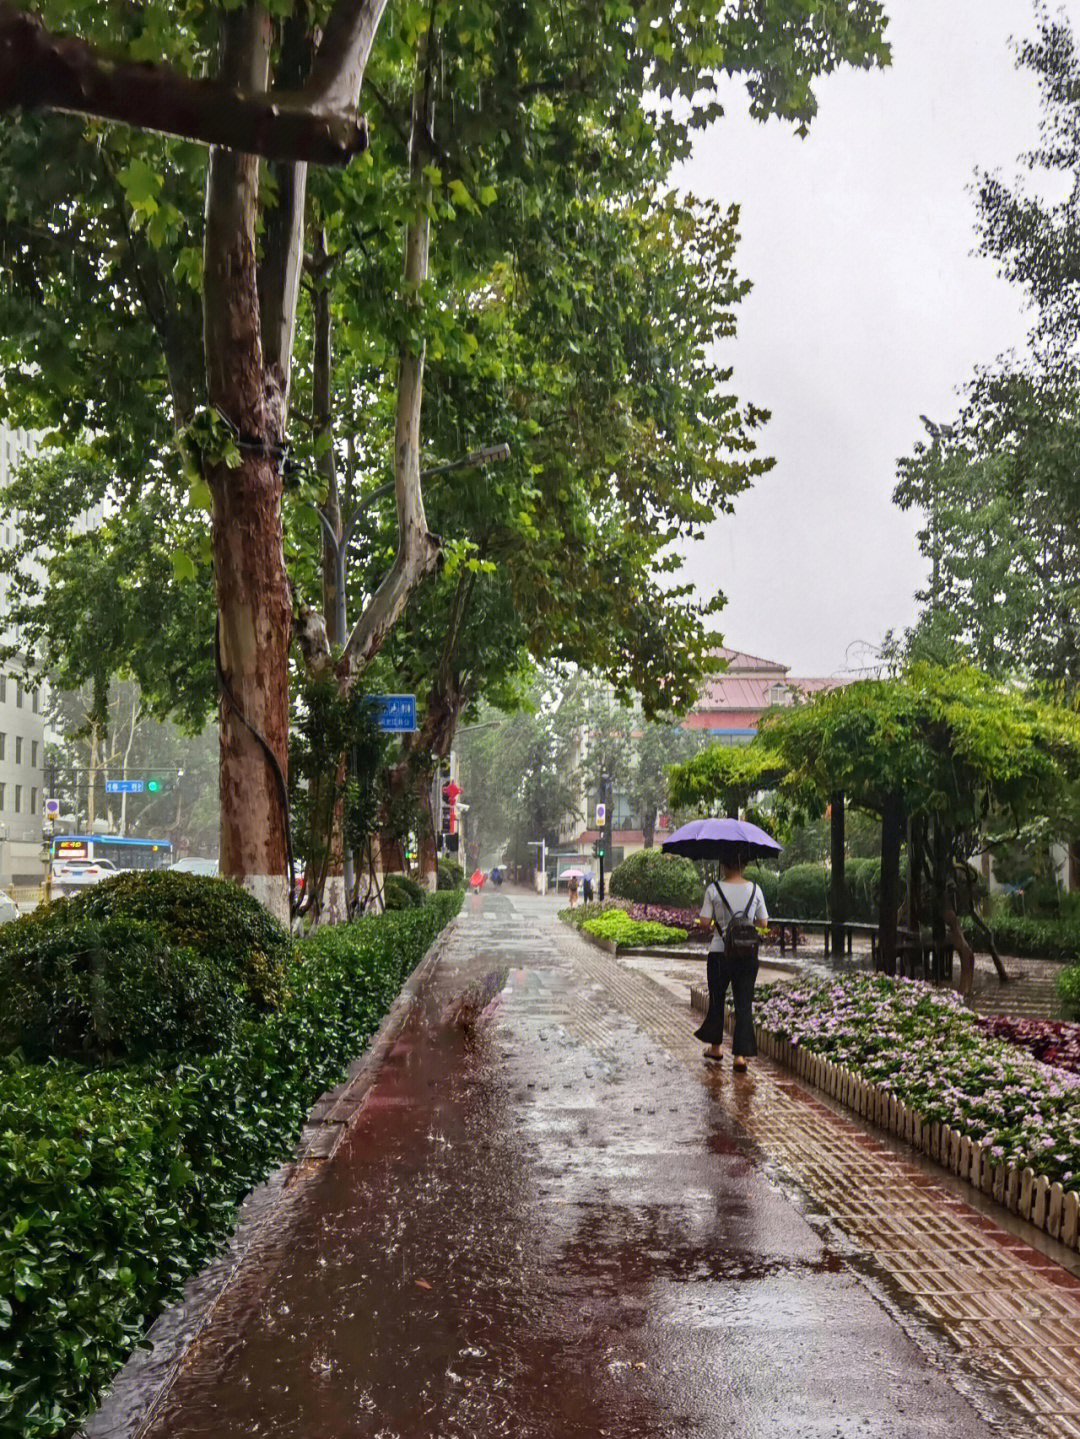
point(869, 308)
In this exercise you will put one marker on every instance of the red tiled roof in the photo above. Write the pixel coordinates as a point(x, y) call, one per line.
point(723, 693)
point(739, 660)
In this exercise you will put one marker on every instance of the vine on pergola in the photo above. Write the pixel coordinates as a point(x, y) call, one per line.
point(945, 752)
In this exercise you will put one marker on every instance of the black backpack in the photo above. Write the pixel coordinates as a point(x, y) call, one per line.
point(740, 936)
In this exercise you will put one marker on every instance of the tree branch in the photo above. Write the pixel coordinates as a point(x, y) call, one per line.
point(338, 71)
point(417, 549)
point(46, 71)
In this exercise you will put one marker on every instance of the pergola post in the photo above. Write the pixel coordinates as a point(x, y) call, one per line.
point(837, 891)
point(892, 834)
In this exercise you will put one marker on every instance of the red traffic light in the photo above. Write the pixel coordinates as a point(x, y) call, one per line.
point(451, 791)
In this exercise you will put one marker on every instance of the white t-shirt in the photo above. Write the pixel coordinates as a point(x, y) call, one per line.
point(737, 896)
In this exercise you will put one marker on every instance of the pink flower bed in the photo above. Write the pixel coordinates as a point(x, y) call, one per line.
point(1050, 1041)
point(688, 919)
point(663, 914)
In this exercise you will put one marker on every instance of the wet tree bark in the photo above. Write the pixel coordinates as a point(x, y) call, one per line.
point(255, 617)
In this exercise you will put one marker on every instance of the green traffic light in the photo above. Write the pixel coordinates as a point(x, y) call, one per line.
point(153, 785)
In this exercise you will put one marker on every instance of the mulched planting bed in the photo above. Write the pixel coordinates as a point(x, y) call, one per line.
point(923, 1047)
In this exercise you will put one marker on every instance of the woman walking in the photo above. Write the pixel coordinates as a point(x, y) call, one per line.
point(735, 908)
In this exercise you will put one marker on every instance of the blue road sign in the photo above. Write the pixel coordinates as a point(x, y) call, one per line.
point(397, 713)
point(124, 786)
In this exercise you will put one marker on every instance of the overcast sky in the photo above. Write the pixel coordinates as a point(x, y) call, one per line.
point(869, 308)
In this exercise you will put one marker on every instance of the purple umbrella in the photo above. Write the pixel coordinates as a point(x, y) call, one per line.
point(709, 838)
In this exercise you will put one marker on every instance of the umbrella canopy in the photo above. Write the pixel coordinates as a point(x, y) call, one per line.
point(575, 874)
point(710, 838)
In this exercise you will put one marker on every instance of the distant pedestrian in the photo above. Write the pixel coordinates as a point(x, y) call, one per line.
point(735, 908)
point(476, 879)
point(571, 889)
point(587, 889)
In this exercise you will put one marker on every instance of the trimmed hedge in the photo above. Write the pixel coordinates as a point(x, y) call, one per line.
point(109, 989)
point(768, 881)
point(116, 1185)
point(803, 892)
point(143, 965)
point(450, 875)
point(650, 876)
point(1031, 938)
point(402, 892)
point(215, 917)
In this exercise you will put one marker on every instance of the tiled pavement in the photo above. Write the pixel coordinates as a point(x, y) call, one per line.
point(567, 1208)
point(1009, 1310)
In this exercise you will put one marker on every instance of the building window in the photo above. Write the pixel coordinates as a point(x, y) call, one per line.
point(18, 749)
point(3, 689)
point(3, 744)
point(33, 799)
point(33, 752)
point(18, 695)
point(3, 788)
point(18, 799)
point(37, 701)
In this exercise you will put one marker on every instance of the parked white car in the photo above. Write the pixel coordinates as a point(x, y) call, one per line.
point(194, 865)
point(9, 910)
point(69, 876)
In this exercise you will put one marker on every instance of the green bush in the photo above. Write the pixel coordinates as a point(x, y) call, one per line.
point(768, 881)
point(450, 875)
point(1068, 987)
point(401, 892)
point(107, 989)
point(215, 917)
point(803, 892)
point(1030, 938)
point(117, 1184)
point(629, 933)
point(651, 877)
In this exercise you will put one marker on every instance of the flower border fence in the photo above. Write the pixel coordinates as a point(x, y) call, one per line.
point(1033, 1197)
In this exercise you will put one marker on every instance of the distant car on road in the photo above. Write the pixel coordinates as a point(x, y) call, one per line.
point(193, 865)
point(70, 876)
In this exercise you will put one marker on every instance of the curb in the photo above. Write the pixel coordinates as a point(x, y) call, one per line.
point(139, 1387)
point(1030, 1196)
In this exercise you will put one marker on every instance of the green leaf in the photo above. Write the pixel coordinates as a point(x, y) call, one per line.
point(183, 565)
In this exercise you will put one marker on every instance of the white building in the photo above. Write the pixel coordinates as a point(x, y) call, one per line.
point(22, 725)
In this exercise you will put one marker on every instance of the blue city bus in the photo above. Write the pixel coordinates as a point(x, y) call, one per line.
point(122, 851)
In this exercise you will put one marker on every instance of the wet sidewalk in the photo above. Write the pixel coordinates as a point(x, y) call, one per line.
point(558, 1222)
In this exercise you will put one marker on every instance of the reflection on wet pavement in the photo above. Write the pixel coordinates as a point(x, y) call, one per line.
point(545, 1225)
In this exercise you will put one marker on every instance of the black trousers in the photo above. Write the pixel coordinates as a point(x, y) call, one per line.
point(741, 974)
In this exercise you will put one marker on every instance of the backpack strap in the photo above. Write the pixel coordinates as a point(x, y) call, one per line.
point(749, 902)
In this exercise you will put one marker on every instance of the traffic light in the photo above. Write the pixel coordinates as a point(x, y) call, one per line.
point(155, 784)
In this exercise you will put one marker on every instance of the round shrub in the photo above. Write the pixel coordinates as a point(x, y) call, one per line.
point(803, 892)
point(450, 875)
point(652, 877)
point(401, 892)
point(214, 917)
point(108, 989)
point(768, 881)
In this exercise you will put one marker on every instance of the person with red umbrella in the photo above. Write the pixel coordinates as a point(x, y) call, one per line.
point(735, 909)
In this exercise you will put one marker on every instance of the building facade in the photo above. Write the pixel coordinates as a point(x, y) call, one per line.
point(22, 722)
